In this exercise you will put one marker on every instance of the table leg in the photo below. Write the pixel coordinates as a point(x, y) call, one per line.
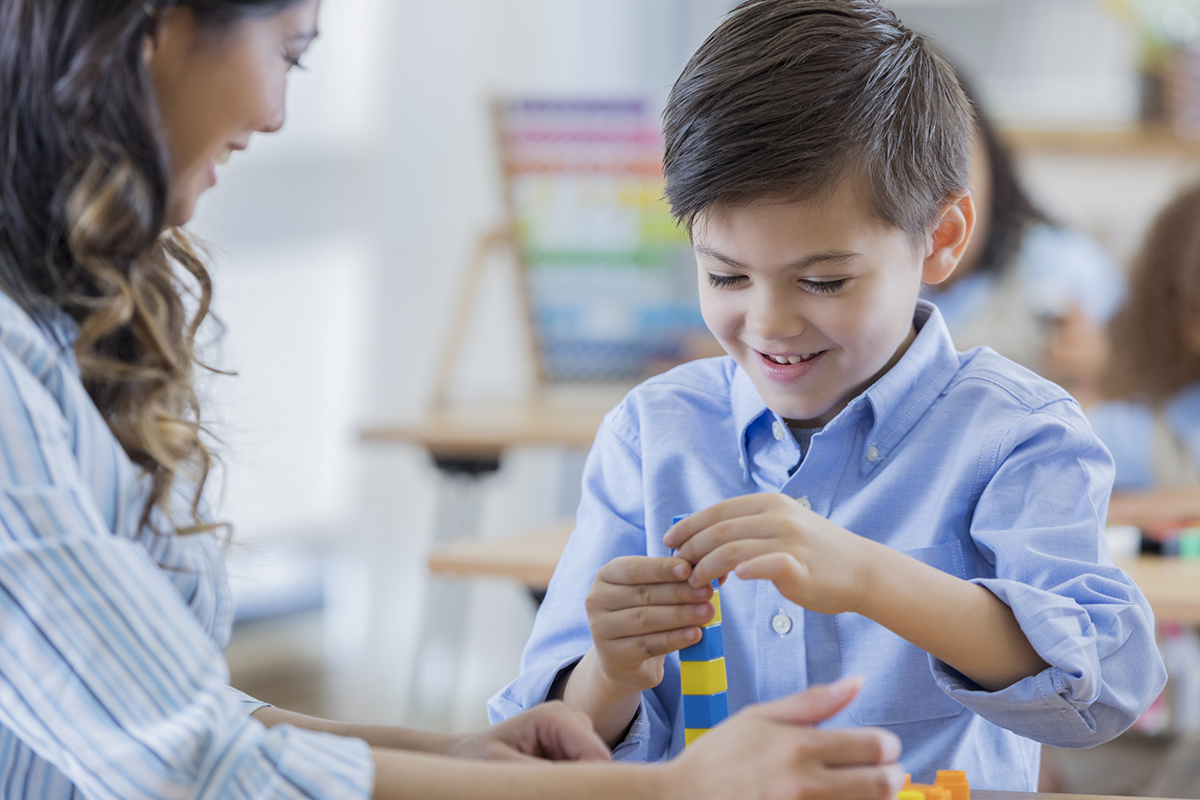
point(437, 663)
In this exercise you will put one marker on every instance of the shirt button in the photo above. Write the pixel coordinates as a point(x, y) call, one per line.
point(872, 454)
point(777, 429)
point(804, 502)
point(781, 623)
point(741, 462)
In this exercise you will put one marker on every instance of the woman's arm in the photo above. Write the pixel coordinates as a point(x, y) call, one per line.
point(550, 731)
point(763, 751)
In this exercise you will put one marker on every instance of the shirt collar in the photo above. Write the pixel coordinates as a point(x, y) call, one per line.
point(896, 401)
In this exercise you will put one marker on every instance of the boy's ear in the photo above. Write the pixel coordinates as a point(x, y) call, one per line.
point(949, 239)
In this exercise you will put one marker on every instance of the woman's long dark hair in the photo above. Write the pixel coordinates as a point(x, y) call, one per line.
point(83, 194)
point(1012, 212)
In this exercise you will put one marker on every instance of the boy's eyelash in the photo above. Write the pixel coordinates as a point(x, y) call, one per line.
point(723, 281)
point(295, 62)
point(824, 287)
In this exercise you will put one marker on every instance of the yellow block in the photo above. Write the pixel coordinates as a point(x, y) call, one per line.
point(692, 734)
point(716, 604)
point(703, 677)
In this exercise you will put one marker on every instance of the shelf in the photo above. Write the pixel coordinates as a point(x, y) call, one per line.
point(1159, 142)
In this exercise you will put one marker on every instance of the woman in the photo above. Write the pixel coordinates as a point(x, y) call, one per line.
point(113, 602)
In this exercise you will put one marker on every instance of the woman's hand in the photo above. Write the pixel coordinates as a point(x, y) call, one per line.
point(772, 751)
point(549, 731)
point(813, 562)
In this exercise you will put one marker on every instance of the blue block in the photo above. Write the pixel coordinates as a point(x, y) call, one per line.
point(709, 647)
point(704, 710)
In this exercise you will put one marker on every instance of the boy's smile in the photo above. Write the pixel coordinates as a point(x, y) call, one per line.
point(814, 299)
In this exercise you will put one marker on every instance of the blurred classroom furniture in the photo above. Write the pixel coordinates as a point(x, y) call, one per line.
point(1171, 585)
point(604, 282)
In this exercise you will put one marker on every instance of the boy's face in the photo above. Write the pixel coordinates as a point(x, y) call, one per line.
point(813, 299)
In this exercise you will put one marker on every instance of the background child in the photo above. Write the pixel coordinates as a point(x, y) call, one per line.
point(818, 153)
point(1151, 424)
point(1035, 292)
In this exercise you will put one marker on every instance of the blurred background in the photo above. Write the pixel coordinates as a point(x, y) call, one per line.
point(342, 249)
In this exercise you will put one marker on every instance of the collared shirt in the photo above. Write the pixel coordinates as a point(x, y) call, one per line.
point(112, 681)
point(966, 462)
point(1128, 431)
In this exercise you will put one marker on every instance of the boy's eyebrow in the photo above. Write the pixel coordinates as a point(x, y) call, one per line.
point(802, 263)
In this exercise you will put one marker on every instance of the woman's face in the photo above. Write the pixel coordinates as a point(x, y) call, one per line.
point(217, 85)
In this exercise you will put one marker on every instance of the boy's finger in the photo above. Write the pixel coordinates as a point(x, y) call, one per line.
point(650, 619)
point(639, 648)
point(729, 556)
point(615, 597)
point(733, 508)
point(635, 570)
point(756, 526)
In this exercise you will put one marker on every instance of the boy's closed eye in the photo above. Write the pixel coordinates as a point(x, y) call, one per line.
point(817, 286)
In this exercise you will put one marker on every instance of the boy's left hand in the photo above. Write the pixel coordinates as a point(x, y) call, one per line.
point(813, 562)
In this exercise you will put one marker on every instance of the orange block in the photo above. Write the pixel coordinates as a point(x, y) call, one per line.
point(950, 785)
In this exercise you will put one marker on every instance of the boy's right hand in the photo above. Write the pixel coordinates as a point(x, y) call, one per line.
point(771, 750)
point(640, 609)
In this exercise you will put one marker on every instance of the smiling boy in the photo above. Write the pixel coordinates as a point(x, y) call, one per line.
point(881, 504)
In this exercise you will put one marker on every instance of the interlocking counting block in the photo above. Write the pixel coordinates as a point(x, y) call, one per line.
point(705, 710)
point(709, 647)
point(703, 677)
point(950, 785)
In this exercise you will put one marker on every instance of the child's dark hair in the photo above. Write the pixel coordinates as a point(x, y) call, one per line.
point(788, 98)
point(1155, 337)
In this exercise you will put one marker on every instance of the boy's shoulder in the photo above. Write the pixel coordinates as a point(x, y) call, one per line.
point(697, 390)
point(986, 377)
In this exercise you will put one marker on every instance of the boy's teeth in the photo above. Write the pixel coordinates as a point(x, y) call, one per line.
point(223, 156)
point(786, 359)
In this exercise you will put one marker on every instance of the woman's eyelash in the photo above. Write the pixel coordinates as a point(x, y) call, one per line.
point(824, 287)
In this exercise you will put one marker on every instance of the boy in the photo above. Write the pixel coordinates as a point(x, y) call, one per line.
point(881, 504)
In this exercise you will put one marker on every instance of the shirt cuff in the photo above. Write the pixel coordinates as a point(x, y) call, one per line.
point(636, 744)
point(249, 704)
point(528, 690)
point(1066, 704)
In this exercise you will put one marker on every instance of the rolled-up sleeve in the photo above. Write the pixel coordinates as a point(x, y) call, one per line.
point(1039, 525)
point(104, 671)
point(610, 522)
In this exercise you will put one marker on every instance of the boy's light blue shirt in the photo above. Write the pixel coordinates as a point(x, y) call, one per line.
point(964, 461)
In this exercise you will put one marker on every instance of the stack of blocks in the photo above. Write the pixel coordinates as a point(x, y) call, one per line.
point(950, 785)
point(702, 674)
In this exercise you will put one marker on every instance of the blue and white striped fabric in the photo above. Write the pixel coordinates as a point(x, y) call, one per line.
point(112, 679)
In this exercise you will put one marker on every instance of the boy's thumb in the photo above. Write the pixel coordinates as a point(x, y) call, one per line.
point(814, 705)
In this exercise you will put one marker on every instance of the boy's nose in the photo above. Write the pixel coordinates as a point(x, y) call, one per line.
point(771, 320)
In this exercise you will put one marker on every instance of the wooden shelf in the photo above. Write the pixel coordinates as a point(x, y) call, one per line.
point(1159, 142)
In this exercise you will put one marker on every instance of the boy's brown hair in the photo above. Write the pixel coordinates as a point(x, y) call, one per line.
point(1155, 337)
point(788, 98)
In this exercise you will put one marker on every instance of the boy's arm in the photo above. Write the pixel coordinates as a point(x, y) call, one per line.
point(1037, 527)
point(955, 621)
